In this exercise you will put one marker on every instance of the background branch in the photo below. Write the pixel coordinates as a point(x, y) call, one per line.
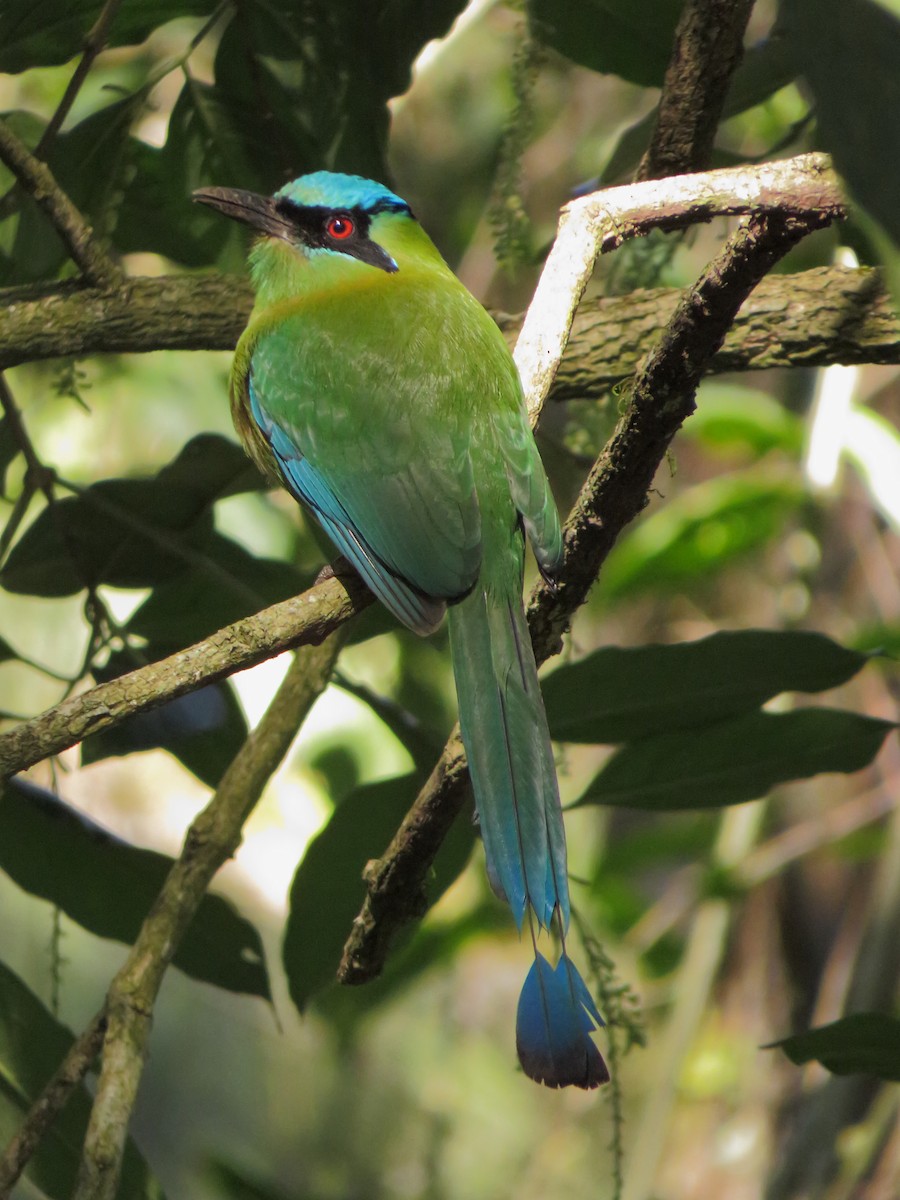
point(708, 47)
point(212, 838)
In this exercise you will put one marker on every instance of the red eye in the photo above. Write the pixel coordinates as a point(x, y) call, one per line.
point(340, 228)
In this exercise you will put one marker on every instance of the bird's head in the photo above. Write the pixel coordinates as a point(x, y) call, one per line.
point(324, 229)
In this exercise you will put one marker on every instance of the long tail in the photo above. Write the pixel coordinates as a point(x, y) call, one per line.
point(507, 742)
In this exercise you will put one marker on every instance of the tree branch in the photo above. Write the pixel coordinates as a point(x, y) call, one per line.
point(708, 47)
point(615, 492)
point(37, 180)
point(210, 312)
point(212, 838)
point(301, 621)
point(813, 318)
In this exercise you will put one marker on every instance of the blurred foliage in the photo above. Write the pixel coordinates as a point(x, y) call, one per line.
point(743, 585)
point(864, 1043)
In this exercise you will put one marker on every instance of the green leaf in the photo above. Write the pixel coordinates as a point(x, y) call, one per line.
point(849, 53)
point(734, 417)
point(129, 532)
point(226, 584)
point(239, 1183)
point(620, 694)
point(861, 1044)
point(328, 888)
point(297, 89)
point(699, 532)
point(204, 729)
point(212, 467)
point(90, 163)
point(155, 212)
point(52, 32)
point(736, 760)
point(107, 886)
point(629, 38)
point(32, 1046)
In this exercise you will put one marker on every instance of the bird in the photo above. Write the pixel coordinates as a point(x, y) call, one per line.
point(373, 385)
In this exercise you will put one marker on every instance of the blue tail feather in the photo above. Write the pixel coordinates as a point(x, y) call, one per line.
point(554, 1023)
point(507, 741)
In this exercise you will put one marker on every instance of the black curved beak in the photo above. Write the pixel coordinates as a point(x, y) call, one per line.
point(259, 212)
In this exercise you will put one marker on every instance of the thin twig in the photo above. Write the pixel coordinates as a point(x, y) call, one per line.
point(211, 840)
point(94, 42)
point(50, 1103)
point(37, 476)
point(37, 179)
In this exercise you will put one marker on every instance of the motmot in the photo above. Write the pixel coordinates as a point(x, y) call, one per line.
point(378, 391)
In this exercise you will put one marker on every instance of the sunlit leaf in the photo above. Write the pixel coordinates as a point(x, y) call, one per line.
point(619, 694)
point(32, 1046)
point(736, 760)
point(699, 532)
point(108, 886)
point(861, 1044)
point(731, 417)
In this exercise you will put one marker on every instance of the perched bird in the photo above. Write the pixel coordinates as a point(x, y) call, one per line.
point(375, 387)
